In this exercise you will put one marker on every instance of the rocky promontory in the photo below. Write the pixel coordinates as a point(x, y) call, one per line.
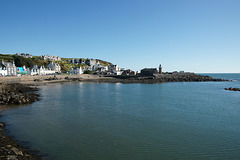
point(16, 93)
point(232, 89)
point(157, 78)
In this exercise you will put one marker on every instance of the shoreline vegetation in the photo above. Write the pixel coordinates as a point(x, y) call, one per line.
point(24, 90)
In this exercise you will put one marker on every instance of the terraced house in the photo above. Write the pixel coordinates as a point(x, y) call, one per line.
point(8, 68)
point(51, 58)
point(54, 66)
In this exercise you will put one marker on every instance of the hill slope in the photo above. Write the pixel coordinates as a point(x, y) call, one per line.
point(65, 63)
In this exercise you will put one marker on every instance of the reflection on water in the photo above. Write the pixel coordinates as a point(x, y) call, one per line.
point(12, 106)
point(131, 121)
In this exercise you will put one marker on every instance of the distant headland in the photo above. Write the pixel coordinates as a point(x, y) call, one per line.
point(25, 65)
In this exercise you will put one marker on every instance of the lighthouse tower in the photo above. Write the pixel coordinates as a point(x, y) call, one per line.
point(160, 69)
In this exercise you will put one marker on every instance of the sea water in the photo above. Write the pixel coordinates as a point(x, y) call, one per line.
point(106, 121)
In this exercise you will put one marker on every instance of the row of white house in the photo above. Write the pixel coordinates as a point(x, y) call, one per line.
point(95, 66)
point(9, 69)
point(111, 69)
point(50, 58)
point(77, 70)
point(52, 68)
point(41, 71)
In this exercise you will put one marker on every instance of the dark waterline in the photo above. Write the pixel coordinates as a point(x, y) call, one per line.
point(132, 121)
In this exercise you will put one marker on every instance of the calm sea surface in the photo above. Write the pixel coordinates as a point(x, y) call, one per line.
point(105, 121)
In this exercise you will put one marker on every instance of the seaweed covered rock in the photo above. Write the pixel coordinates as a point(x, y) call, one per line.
point(17, 93)
point(10, 149)
point(232, 89)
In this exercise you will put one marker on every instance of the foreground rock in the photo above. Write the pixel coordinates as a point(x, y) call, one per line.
point(11, 150)
point(17, 93)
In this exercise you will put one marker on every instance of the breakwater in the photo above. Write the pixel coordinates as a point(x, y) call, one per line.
point(158, 78)
point(176, 77)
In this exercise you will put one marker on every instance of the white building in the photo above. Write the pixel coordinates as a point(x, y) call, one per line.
point(103, 69)
point(113, 68)
point(89, 68)
point(35, 70)
point(117, 72)
point(41, 71)
point(3, 71)
point(10, 67)
point(76, 61)
point(96, 66)
point(75, 70)
point(51, 58)
point(91, 62)
point(100, 68)
point(55, 66)
point(25, 55)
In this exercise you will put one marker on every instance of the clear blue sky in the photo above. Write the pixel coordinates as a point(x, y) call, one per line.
point(191, 35)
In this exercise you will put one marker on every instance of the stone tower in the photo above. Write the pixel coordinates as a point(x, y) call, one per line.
point(160, 69)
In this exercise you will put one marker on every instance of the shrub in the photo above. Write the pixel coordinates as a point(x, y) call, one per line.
point(87, 72)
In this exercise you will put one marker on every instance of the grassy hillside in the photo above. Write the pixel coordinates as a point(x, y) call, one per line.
point(29, 62)
point(104, 63)
point(7, 57)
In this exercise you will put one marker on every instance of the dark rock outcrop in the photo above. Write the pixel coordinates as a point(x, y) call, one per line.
point(72, 79)
point(157, 78)
point(17, 93)
point(51, 79)
point(232, 89)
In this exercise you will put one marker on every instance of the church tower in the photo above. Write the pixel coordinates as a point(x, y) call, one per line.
point(160, 69)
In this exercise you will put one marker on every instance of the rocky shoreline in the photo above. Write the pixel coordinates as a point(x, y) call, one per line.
point(15, 94)
point(18, 94)
point(10, 149)
point(158, 78)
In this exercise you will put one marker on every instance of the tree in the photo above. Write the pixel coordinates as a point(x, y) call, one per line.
point(87, 72)
point(21, 61)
